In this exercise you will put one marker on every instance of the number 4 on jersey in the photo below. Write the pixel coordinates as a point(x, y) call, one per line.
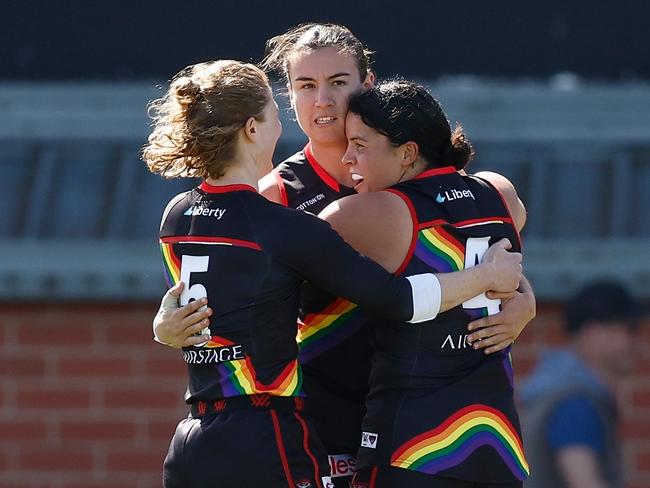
point(189, 265)
point(474, 250)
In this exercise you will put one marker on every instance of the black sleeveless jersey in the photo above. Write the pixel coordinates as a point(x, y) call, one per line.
point(305, 185)
point(436, 405)
point(334, 343)
point(249, 257)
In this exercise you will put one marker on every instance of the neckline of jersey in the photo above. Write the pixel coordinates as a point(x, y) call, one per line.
point(436, 171)
point(320, 171)
point(208, 188)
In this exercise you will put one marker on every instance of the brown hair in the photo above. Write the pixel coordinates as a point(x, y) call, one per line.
point(195, 124)
point(310, 37)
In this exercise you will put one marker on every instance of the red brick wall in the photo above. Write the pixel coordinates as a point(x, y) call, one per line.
point(88, 400)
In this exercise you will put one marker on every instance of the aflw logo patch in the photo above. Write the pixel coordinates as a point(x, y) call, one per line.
point(303, 484)
point(369, 440)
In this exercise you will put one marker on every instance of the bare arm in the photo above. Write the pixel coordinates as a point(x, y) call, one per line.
point(510, 196)
point(578, 466)
point(379, 226)
point(496, 332)
point(498, 269)
point(269, 188)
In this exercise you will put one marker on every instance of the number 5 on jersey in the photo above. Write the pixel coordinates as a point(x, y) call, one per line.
point(189, 265)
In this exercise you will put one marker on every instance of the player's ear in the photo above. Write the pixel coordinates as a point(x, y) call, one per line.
point(409, 153)
point(369, 81)
point(251, 129)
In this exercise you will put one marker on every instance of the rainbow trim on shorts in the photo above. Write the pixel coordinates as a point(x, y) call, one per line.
point(440, 250)
point(458, 437)
point(238, 377)
point(171, 264)
point(320, 332)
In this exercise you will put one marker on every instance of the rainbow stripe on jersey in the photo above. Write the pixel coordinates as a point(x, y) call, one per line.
point(320, 332)
point(171, 264)
point(440, 250)
point(238, 377)
point(458, 437)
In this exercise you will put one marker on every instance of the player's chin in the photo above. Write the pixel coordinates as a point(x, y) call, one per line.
point(361, 187)
point(333, 133)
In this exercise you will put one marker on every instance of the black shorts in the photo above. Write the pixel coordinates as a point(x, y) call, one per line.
point(391, 477)
point(245, 447)
point(338, 424)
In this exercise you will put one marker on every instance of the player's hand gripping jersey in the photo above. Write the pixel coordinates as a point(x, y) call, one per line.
point(436, 405)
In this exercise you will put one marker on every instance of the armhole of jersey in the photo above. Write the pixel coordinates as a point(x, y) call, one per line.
point(505, 205)
point(283, 191)
point(169, 207)
point(414, 221)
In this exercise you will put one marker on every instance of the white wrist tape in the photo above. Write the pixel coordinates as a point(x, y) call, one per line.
point(427, 297)
point(155, 336)
point(169, 303)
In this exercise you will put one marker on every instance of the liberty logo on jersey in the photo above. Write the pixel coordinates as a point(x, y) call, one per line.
point(205, 212)
point(369, 440)
point(454, 194)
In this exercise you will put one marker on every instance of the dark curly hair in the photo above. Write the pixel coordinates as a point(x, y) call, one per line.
point(405, 111)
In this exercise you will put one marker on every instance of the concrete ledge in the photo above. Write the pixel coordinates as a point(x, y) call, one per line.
point(114, 270)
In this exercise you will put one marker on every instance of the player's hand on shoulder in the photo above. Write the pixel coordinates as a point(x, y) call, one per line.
point(176, 326)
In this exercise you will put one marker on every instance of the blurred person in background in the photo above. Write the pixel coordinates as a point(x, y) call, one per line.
point(323, 65)
point(570, 415)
